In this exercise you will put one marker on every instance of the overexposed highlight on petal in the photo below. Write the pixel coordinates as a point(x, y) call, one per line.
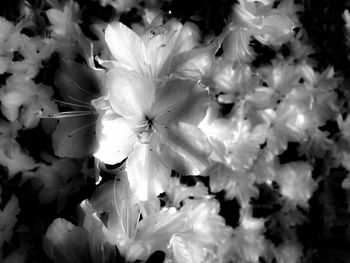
point(117, 139)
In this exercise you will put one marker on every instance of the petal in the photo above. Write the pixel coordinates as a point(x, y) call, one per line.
point(180, 100)
point(74, 137)
point(116, 139)
point(156, 230)
point(196, 62)
point(186, 251)
point(64, 242)
point(129, 94)
point(184, 148)
point(164, 43)
point(76, 83)
point(147, 175)
point(116, 200)
point(275, 28)
point(126, 47)
point(100, 249)
point(236, 46)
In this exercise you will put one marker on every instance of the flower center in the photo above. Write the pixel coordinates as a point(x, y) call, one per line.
point(145, 131)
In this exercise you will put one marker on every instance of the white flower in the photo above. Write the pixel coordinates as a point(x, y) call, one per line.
point(11, 155)
point(155, 128)
point(136, 237)
point(234, 142)
point(163, 50)
point(65, 20)
point(22, 99)
point(296, 182)
point(267, 25)
point(247, 243)
point(206, 234)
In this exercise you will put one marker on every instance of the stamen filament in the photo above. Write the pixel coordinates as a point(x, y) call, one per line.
point(81, 128)
point(116, 206)
point(80, 88)
point(83, 102)
point(69, 114)
point(71, 104)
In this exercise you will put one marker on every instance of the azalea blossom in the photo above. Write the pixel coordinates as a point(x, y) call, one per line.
point(247, 244)
point(206, 234)
point(135, 238)
point(296, 182)
point(255, 19)
point(64, 20)
point(163, 50)
point(12, 156)
point(154, 126)
point(22, 99)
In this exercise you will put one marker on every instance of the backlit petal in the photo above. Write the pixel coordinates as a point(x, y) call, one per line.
point(147, 175)
point(116, 140)
point(129, 94)
point(126, 46)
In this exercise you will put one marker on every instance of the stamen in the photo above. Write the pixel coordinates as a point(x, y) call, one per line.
point(127, 216)
point(137, 224)
point(80, 88)
point(116, 206)
point(237, 53)
point(71, 104)
point(81, 128)
point(69, 114)
point(244, 40)
point(80, 101)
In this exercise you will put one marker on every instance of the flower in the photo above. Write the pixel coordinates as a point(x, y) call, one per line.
point(296, 182)
point(135, 231)
point(12, 155)
point(22, 99)
point(166, 49)
point(120, 5)
point(247, 244)
point(206, 234)
point(64, 20)
point(267, 25)
point(235, 142)
point(60, 178)
point(154, 126)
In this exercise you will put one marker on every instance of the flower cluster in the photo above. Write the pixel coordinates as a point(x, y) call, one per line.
point(145, 136)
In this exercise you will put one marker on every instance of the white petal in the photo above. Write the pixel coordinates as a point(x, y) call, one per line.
point(184, 148)
point(117, 139)
point(147, 175)
point(129, 94)
point(126, 46)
